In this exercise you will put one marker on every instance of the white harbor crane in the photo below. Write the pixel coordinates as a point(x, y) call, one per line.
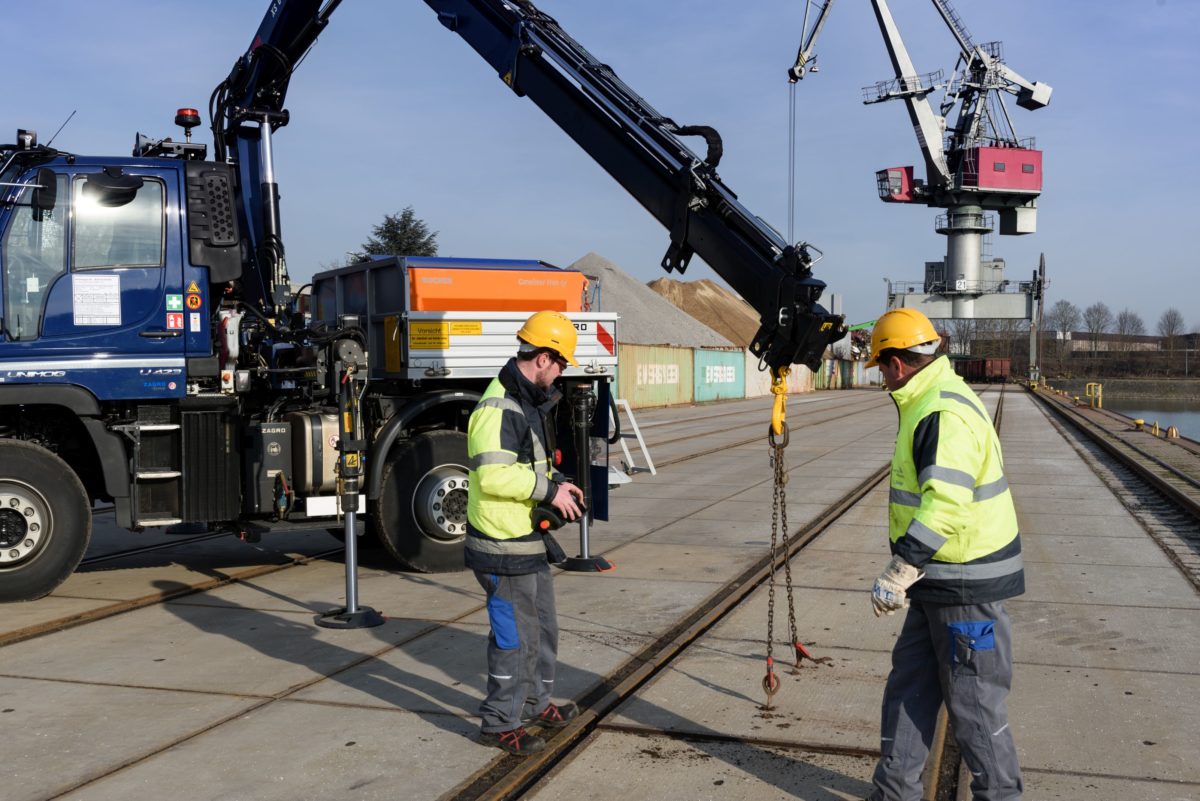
point(979, 165)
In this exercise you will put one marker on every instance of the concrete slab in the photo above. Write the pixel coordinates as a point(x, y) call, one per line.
point(1072, 786)
point(1050, 496)
point(715, 689)
point(662, 562)
point(695, 531)
point(655, 508)
point(627, 765)
point(45, 610)
point(287, 751)
point(1039, 522)
point(320, 586)
point(606, 603)
point(202, 649)
point(446, 671)
point(1105, 636)
point(832, 622)
point(1120, 551)
point(1122, 586)
point(57, 735)
point(1134, 724)
point(737, 511)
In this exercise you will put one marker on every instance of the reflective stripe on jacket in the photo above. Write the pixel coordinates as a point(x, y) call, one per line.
point(950, 511)
point(511, 471)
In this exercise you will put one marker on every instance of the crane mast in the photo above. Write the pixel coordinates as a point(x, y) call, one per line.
point(245, 110)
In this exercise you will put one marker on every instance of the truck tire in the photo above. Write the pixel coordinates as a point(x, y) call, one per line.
point(45, 521)
point(421, 514)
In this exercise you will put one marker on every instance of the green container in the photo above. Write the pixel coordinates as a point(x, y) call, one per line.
point(718, 374)
point(654, 375)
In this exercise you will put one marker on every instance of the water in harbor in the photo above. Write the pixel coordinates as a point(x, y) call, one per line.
point(1184, 415)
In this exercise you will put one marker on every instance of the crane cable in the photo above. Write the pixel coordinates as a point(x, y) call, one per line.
point(779, 429)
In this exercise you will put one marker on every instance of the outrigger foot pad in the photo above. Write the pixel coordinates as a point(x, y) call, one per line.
point(364, 618)
point(588, 564)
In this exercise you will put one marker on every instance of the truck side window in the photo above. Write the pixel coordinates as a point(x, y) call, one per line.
point(122, 236)
point(34, 255)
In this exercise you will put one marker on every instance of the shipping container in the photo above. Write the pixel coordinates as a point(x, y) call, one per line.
point(757, 381)
point(800, 380)
point(655, 375)
point(718, 374)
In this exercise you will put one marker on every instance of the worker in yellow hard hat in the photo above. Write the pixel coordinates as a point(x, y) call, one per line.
point(510, 442)
point(955, 557)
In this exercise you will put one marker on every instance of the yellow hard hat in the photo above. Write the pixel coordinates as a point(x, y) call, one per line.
point(901, 329)
point(551, 329)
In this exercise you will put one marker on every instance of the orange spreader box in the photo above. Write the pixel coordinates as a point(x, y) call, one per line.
point(473, 289)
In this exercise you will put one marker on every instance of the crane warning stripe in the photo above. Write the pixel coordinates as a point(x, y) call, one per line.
point(605, 338)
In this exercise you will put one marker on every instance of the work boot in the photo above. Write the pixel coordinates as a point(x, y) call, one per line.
point(554, 716)
point(514, 741)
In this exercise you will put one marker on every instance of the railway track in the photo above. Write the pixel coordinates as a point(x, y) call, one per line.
point(1157, 480)
point(281, 559)
point(510, 778)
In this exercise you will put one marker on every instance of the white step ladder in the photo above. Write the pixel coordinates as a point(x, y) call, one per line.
point(616, 477)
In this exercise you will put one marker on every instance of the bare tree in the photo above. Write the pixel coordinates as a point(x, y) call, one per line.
point(1099, 320)
point(1170, 327)
point(961, 334)
point(1129, 325)
point(1063, 318)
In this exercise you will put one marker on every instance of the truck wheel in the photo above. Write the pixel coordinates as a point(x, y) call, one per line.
point(45, 521)
point(421, 514)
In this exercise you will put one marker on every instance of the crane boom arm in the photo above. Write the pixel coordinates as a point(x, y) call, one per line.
point(927, 125)
point(804, 56)
point(641, 149)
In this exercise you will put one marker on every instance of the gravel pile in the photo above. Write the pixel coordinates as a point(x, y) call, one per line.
point(646, 317)
point(713, 305)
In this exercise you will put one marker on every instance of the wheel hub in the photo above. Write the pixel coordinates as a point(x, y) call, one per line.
point(22, 526)
point(440, 503)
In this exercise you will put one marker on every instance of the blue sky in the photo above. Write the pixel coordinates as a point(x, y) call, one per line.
point(392, 110)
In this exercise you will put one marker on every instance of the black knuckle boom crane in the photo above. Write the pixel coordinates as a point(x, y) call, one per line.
point(162, 362)
point(634, 143)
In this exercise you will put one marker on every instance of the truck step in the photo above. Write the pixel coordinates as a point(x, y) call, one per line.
point(153, 475)
point(154, 427)
point(164, 521)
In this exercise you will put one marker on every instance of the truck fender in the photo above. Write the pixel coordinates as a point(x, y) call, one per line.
point(77, 399)
point(110, 449)
point(398, 423)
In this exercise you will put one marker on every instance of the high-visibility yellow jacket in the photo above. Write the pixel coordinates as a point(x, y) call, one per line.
point(950, 511)
point(510, 445)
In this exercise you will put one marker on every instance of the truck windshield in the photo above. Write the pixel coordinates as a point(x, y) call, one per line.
point(34, 254)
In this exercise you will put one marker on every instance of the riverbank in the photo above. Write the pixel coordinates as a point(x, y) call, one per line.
point(1139, 389)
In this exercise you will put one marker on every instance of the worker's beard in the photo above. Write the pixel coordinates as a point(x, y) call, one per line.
point(544, 379)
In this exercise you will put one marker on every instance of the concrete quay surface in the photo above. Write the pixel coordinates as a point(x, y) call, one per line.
point(235, 693)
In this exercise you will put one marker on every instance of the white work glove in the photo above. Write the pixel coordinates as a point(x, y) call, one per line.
point(891, 588)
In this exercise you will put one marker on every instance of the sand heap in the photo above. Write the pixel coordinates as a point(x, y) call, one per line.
point(713, 305)
point(646, 317)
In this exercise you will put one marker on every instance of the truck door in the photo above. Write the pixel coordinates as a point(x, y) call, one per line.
point(93, 290)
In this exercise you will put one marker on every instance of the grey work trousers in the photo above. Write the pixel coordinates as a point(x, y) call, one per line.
point(522, 650)
point(961, 655)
